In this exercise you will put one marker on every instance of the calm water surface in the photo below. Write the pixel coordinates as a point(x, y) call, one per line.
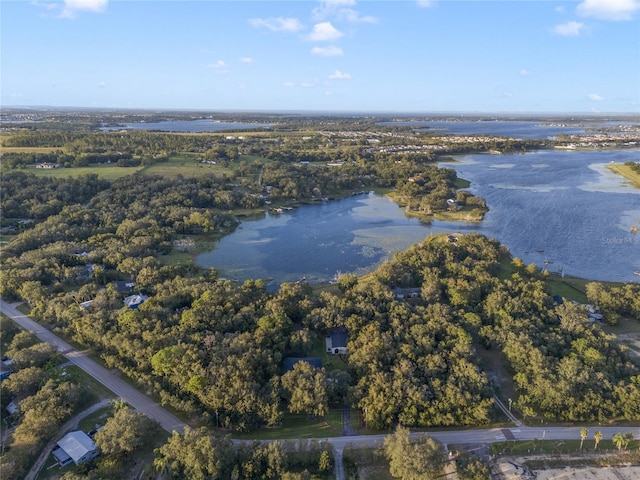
point(567, 204)
point(505, 128)
point(316, 241)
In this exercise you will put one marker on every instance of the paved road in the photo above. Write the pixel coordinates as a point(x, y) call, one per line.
point(169, 422)
point(492, 435)
point(133, 397)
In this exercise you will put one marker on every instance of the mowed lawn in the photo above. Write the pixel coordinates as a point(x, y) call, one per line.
point(31, 149)
point(108, 172)
point(187, 166)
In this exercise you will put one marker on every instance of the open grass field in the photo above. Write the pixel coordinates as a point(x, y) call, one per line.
point(568, 287)
point(369, 463)
point(187, 166)
point(527, 447)
point(299, 426)
point(30, 149)
point(626, 172)
point(108, 172)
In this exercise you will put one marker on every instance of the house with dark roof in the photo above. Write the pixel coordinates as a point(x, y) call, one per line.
point(123, 286)
point(336, 341)
point(404, 293)
point(5, 371)
point(290, 362)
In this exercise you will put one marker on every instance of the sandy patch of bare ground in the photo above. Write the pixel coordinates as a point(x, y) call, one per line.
point(612, 466)
point(590, 473)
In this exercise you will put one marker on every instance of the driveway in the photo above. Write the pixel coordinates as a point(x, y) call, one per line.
point(170, 422)
point(133, 397)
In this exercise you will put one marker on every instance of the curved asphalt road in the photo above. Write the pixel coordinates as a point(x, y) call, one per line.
point(133, 397)
point(170, 422)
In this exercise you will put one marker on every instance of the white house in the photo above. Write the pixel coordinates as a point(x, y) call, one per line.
point(134, 301)
point(76, 447)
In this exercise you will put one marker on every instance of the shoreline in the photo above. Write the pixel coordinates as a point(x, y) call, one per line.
point(624, 171)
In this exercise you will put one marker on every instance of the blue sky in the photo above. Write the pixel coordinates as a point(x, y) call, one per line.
point(332, 55)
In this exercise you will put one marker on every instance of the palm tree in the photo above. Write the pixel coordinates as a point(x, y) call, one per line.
point(627, 439)
point(597, 437)
point(618, 440)
point(583, 435)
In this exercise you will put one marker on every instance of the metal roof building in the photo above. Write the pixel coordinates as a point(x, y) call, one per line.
point(76, 447)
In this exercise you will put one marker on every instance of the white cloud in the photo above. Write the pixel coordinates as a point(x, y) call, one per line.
point(594, 97)
point(425, 3)
point(609, 9)
point(338, 75)
point(560, 9)
point(330, 51)
point(324, 32)
point(219, 66)
point(102, 84)
point(524, 72)
point(569, 29)
point(289, 84)
point(246, 60)
point(352, 16)
point(46, 5)
point(309, 84)
point(278, 24)
point(329, 8)
point(73, 7)
point(339, 10)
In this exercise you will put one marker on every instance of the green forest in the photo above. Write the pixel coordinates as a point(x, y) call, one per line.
point(214, 350)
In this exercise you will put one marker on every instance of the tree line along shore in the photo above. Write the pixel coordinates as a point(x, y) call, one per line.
point(431, 336)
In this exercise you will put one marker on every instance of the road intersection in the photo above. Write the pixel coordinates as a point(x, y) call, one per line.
point(170, 422)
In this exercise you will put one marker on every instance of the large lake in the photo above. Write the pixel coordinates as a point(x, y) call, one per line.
point(524, 129)
point(566, 203)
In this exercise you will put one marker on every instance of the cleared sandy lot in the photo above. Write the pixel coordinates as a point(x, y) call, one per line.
point(589, 473)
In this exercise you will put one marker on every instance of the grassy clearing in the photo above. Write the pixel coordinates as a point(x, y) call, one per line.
point(626, 172)
point(185, 165)
point(92, 385)
point(254, 158)
point(560, 447)
point(366, 463)
point(108, 172)
point(299, 426)
point(462, 183)
point(466, 214)
point(203, 243)
point(31, 149)
point(189, 165)
point(95, 420)
point(568, 287)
